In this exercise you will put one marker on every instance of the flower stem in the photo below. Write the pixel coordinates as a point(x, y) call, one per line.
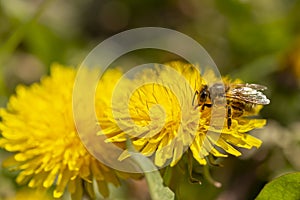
point(208, 177)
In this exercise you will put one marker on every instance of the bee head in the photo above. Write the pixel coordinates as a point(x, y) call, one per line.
point(204, 94)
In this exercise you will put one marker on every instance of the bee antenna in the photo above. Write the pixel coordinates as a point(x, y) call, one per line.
point(196, 93)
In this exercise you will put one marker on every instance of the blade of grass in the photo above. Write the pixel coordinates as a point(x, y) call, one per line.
point(16, 37)
point(14, 40)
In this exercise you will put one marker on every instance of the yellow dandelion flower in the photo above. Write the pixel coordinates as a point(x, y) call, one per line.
point(38, 127)
point(162, 122)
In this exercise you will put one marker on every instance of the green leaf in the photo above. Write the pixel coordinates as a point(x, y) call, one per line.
point(285, 187)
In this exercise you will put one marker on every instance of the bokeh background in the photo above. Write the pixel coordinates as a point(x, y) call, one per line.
point(257, 41)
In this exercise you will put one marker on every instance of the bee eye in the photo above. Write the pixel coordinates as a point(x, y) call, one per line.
point(203, 95)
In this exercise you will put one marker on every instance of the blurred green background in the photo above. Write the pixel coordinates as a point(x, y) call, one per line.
point(257, 41)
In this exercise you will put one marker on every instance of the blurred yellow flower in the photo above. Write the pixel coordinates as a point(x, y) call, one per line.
point(25, 194)
point(168, 130)
point(38, 127)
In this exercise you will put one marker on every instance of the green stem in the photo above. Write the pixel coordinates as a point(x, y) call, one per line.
point(208, 177)
point(168, 175)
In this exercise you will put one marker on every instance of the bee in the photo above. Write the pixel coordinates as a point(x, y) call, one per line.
point(239, 98)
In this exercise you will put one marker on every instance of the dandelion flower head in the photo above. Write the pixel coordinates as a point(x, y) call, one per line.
point(38, 127)
point(162, 122)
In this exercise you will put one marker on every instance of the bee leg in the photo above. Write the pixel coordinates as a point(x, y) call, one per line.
point(237, 111)
point(229, 115)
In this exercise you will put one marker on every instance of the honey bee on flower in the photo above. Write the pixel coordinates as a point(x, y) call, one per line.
point(240, 98)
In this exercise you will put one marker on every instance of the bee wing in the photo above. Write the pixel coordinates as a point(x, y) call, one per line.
point(250, 85)
point(249, 93)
